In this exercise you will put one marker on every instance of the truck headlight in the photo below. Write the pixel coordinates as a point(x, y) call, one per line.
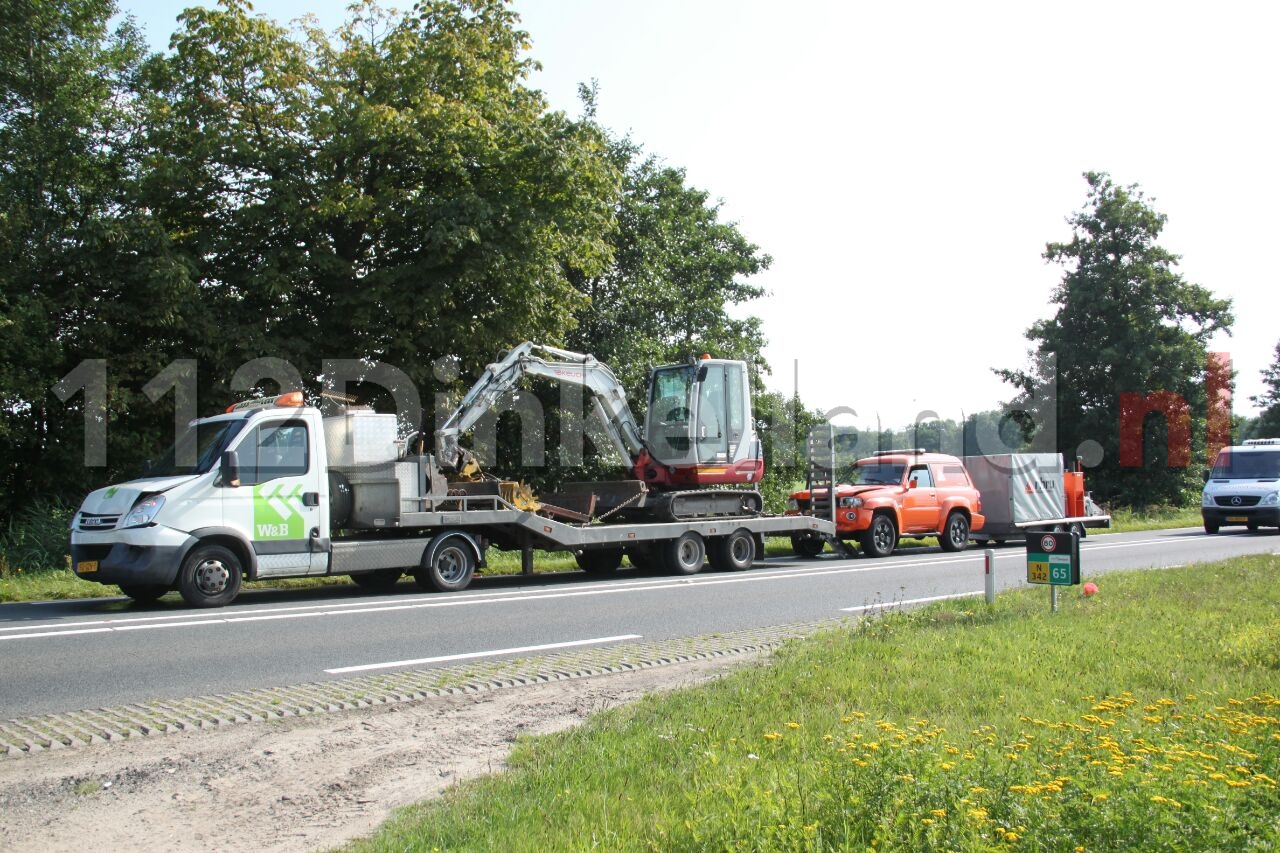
point(144, 511)
point(1271, 499)
point(851, 503)
point(1206, 499)
point(793, 504)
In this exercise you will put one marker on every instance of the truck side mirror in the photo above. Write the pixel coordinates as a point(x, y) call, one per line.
point(913, 484)
point(229, 468)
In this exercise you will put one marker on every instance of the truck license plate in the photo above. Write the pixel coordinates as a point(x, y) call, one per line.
point(87, 567)
point(1237, 519)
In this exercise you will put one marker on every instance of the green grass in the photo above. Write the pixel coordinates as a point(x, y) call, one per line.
point(1125, 520)
point(1144, 718)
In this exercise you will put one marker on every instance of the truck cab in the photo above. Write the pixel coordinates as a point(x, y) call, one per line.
point(899, 493)
point(1243, 487)
point(240, 494)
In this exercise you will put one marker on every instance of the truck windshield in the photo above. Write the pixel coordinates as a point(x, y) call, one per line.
point(197, 450)
point(880, 474)
point(1250, 465)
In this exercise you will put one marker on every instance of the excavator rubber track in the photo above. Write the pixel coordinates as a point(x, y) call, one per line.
point(697, 504)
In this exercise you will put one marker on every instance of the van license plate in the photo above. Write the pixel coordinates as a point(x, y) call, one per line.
point(1238, 519)
point(87, 567)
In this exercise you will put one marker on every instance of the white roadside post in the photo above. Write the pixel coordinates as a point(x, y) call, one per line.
point(990, 560)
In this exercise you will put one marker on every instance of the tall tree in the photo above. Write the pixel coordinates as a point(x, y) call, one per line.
point(1268, 423)
point(1128, 329)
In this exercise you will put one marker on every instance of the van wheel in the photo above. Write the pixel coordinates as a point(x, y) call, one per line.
point(144, 593)
point(1211, 527)
point(447, 567)
point(383, 580)
point(880, 538)
point(734, 552)
point(210, 576)
point(955, 536)
point(684, 556)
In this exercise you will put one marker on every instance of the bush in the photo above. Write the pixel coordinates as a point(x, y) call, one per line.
point(37, 539)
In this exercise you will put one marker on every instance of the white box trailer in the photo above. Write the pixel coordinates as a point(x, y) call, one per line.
point(1028, 492)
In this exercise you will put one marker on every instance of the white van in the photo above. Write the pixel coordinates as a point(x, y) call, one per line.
point(1243, 487)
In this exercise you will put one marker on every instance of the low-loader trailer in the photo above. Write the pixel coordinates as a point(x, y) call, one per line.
point(272, 488)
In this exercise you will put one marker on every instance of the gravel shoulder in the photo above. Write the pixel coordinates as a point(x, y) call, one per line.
point(300, 783)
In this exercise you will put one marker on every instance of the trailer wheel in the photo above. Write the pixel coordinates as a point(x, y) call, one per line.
point(210, 576)
point(881, 537)
point(447, 566)
point(955, 536)
point(734, 552)
point(383, 580)
point(144, 593)
point(604, 561)
point(684, 556)
point(807, 546)
point(642, 557)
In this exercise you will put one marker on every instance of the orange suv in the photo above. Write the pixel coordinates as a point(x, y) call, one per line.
point(900, 493)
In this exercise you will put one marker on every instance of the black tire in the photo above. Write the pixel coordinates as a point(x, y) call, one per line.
point(807, 546)
point(210, 576)
point(604, 561)
point(1252, 527)
point(447, 566)
point(684, 555)
point(732, 553)
point(642, 558)
point(383, 580)
point(1210, 527)
point(955, 535)
point(144, 593)
point(881, 537)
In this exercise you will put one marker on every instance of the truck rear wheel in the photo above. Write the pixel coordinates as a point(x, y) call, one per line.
point(604, 561)
point(447, 566)
point(684, 556)
point(210, 576)
point(880, 538)
point(733, 553)
point(955, 536)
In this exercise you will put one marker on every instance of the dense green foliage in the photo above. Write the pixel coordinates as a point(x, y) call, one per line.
point(1267, 424)
point(960, 727)
point(1126, 323)
point(178, 230)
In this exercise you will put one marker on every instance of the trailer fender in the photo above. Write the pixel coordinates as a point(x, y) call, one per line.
point(434, 546)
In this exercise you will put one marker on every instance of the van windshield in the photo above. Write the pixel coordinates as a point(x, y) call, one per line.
point(1246, 465)
point(197, 450)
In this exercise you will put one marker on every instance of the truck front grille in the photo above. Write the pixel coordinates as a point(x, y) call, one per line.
point(91, 522)
point(1237, 500)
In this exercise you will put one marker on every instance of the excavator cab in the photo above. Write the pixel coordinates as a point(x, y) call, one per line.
point(699, 424)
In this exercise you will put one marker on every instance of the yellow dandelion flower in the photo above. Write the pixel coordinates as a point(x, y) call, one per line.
point(947, 765)
point(978, 814)
point(939, 812)
point(793, 725)
point(928, 821)
point(771, 736)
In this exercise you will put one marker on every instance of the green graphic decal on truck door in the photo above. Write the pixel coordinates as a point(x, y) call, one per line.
point(277, 514)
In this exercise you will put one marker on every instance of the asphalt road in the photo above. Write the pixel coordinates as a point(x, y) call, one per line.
point(71, 655)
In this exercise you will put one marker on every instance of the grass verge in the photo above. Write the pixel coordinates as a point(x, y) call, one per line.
point(1146, 717)
point(1152, 518)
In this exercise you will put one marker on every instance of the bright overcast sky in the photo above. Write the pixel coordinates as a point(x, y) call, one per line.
point(905, 164)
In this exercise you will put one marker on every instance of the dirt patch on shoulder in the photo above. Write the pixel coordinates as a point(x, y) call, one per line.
point(299, 783)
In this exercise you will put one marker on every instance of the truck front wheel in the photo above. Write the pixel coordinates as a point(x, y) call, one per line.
point(955, 536)
point(210, 576)
point(881, 537)
point(807, 546)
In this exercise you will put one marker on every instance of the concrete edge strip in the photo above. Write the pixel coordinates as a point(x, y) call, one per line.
point(32, 735)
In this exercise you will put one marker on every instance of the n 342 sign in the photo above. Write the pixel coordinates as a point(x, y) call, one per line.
point(1053, 558)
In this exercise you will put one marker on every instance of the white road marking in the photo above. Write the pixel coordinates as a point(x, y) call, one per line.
point(518, 650)
point(889, 605)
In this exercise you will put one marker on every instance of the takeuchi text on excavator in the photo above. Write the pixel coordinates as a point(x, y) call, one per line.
point(698, 433)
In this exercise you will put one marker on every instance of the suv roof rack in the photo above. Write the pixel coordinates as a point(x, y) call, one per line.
point(1255, 442)
point(915, 451)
